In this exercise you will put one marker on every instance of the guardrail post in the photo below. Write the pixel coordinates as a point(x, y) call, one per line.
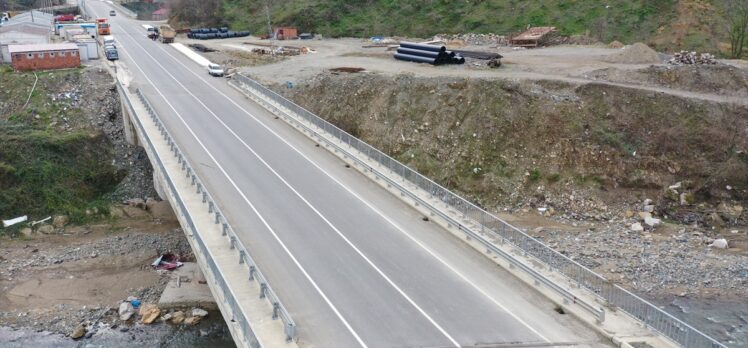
point(601, 318)
point(210, 207)
point(263, 288)
point(199, 186)
point(205, 197)
point(276, 307)
point(233, 239)
point(252, 272)
point(225, 228)
point(241, 256)
point(218, 218)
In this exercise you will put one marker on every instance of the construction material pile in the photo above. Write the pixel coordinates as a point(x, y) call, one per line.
point(420, 53)
point(474, 39)
point(692, 58)
point(214, 33)
point(637, 53)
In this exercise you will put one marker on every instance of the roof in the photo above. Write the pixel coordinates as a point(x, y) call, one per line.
point(32, 16)
point(29, 28)
point(161, 12)
point(41, 47)
point(534, 33)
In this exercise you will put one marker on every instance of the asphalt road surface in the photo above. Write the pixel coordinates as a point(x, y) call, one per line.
point(353, 264)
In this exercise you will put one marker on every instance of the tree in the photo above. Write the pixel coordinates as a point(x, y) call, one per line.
point(736, 13)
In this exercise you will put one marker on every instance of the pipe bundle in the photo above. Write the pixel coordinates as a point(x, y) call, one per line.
point(430, 54)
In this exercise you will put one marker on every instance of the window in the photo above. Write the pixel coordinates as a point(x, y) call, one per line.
point(41, 54)
point(30, 55)
point(62, 54)
point(51, 54)
point(74, 53)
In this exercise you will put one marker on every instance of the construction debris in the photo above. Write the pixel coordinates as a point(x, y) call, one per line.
point(479, 55)
point(430, 54)
point(472, 39)
point(201, 48)
point(534, 37)
point(692, 58)
point(637, 53)
point(11, 222)
point(214, 33)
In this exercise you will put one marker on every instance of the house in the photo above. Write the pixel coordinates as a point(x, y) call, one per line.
point(160, 14)
point(286, 33)
point(33, 27)
point(45, 56)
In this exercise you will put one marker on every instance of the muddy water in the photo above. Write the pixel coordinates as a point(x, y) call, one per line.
point(723, 319)
point(210, 333)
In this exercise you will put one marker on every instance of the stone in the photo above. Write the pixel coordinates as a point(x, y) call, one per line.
point(46, 229)
point(136, 202)
point(720, 243)
point(149, 312)
point(78, 332)
point(637, 227)
point(134, 212)
point(60, 221)
point(676, 186)
point(126, 311)
point(628, 214)
point(166, 317)
point(648, 208)
point(149, 202)
point(672, 195)
point(647, 202)
point(192, 320)
point(27, 232)
point(644, 215)
point(687, 198)
point(652, 222)
point(199, 312)
point(177, 317)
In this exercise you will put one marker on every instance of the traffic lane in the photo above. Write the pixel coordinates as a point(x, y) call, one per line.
point(389, 252)
point(487, 329)
point(183, 104)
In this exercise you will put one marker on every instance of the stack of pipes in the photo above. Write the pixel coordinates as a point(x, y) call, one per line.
point(431, 54)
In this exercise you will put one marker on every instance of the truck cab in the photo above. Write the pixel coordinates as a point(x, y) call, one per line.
point(102, 26)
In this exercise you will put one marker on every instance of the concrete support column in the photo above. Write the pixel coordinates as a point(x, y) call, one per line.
point(158, 183)
point(130, 133)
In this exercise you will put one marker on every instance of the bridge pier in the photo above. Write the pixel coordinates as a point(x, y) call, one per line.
point(131, 134)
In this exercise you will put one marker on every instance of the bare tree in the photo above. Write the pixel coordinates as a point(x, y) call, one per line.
point(736, 13)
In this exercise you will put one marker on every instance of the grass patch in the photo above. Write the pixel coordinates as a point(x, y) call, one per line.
point(44, 173)
point(534, 175)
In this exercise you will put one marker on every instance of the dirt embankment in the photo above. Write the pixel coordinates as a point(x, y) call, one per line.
point(589, 154)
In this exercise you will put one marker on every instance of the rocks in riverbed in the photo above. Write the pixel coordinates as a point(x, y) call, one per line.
point(126, 311)
point(198, 312)
point(149, 313)
point(78, 332)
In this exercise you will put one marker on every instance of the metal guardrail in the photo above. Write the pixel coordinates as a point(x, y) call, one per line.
point(614, 295)
point(124, 9)
point(279, 311)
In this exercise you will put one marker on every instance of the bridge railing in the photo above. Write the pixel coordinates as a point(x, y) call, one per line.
point(279, 311)
point(612, 294)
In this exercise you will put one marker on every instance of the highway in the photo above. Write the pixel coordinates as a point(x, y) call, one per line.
point(354, 265)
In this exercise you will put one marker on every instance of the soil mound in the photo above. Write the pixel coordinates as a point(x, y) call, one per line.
point(637, 53)
point(615, 44)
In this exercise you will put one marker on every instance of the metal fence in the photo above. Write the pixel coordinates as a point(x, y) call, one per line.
point(279, 311)
point(614, 295)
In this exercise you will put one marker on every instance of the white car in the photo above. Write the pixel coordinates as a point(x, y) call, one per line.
point(215, 69)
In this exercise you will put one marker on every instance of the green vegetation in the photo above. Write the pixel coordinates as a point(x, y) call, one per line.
point(43, 170)
point(622, 20)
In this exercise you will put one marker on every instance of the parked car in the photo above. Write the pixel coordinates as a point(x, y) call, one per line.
point(215, 69)
point(112, 13)
point(111, 54)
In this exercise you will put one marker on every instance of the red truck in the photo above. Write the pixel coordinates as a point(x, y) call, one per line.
point(65, 18)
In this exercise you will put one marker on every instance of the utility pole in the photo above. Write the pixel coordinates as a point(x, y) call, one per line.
point(270, 28)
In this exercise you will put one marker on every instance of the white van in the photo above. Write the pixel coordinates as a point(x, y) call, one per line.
point(107, 40)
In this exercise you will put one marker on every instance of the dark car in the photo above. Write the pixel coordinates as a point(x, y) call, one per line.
point(111, 54)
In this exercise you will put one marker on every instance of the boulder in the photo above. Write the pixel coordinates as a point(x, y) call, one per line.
point(652, 222)
point(192, 320)
point(719, 243)
point(46, 229)
point(648, 208)
point(637, 227)
point(136, 202)
point(199, 312)
point(715, 220)
point(134, 212)
point(644, 215)
point(149, 313)
point(687, 198)
point(27, 232)
point(628, 214)
point(177, 317)
point(126, 311)
point(78, 332)
point(60, 221)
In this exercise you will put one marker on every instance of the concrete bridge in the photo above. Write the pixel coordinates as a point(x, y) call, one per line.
point(309, 237)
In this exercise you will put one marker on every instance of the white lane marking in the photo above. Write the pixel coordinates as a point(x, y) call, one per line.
point(264, 222)
point(377, 211)
point(353, 246)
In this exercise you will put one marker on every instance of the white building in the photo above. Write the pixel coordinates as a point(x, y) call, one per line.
point(33, 27)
